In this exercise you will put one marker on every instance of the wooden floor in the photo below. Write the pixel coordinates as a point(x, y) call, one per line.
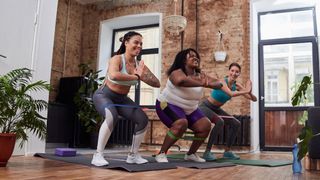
point(20, 167)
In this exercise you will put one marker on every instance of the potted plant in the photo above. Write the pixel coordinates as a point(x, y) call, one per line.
point(19, 111)
point(87, 114)
point(306, 133)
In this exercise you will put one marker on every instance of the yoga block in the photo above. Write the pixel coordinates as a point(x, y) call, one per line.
point(65, 152)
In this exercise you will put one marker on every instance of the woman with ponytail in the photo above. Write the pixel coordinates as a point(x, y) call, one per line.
point(212, 108)
point(111, 98)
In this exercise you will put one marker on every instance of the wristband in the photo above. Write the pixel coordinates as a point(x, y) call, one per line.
point(137, 76)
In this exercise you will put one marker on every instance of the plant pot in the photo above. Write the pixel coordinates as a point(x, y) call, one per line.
point(7, 141)
point(314, 123)
point(220, 56)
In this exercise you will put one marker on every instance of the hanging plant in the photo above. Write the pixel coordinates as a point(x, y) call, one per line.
point(220, 54)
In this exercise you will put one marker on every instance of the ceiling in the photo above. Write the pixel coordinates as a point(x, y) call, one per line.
point(109, 4)
point(91, 1)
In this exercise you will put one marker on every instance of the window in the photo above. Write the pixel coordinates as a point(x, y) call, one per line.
point(285, 65)
point(287, 25)
point(272, 87)
point(287, 47)
point(144, 94)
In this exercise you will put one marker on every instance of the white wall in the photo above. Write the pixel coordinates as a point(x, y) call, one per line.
point(257, 6)
point(26, 38)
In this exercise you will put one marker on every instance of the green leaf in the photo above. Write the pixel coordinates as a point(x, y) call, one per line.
point(86, 111)
point(300, 93)
point(305, 137)
point(18, 110)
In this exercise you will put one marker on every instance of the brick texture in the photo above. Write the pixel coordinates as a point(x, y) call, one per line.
point(77, 36)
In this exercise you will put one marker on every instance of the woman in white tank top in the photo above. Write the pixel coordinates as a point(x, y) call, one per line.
point(177, 105)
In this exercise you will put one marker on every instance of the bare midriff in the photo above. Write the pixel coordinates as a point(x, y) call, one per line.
point(214, 102)
point(120, 89)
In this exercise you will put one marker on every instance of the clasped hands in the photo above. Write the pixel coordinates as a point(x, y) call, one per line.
point(139, 69)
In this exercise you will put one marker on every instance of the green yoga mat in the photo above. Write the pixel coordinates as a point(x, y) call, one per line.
point(250, 162)
point(175, 156)
point(257, 162)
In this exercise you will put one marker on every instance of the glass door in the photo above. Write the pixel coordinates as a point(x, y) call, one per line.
point(288, 51)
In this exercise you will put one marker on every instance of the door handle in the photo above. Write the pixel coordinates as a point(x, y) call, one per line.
point(261, 98)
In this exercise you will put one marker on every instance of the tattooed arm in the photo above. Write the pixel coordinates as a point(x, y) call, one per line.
point(147, 76)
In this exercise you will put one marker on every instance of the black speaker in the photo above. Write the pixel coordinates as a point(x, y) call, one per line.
point(62, 117)
point(314, 123)
point(60, 123)
point(68, 88)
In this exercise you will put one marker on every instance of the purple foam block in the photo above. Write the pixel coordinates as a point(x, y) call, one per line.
point(65, 152)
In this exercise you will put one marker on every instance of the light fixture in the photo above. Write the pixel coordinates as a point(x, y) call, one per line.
point(174, 24)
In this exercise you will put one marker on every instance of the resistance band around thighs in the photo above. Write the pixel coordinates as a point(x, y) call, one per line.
point(174, 137)
point(121, 105)
point(198, 138)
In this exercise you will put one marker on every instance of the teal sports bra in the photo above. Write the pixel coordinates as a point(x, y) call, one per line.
point(220, 95)
point(124, 71)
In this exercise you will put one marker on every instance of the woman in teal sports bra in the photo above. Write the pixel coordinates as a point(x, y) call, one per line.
point(211, 107)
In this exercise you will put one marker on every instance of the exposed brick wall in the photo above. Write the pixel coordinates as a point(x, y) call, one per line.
point(77, 36)
point(67, 43)
point(231, 18)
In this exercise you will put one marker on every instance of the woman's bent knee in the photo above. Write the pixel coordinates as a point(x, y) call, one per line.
point(219, 123)
point(202, 127)
point(207, 126)
point(180, 125)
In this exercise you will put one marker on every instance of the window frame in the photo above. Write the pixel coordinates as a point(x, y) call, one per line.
point(291, 40)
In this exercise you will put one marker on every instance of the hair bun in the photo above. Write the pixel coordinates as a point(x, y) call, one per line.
point(121, 39)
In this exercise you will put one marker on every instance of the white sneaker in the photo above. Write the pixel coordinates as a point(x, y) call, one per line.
point(161, 158)
point(135, 158)
point(194, 157)
point(98, 160)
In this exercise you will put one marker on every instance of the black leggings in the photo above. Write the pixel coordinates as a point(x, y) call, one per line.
point(213, 113)
point(119, 104)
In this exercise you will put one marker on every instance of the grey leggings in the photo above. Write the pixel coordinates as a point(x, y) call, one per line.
point(119, 104)
point(213, 112)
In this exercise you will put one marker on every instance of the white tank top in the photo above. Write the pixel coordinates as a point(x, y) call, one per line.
point(186, 98)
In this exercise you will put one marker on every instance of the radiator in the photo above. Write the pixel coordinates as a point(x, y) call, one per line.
point(243, 135)
point(122, 133)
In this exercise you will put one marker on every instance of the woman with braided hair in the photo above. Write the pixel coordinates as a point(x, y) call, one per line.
point(111, 98)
